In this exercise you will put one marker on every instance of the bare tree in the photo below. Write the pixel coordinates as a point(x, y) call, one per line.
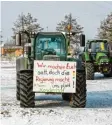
point(26, 22)
point(68, 20)
point(74, 27)
point(105, 30)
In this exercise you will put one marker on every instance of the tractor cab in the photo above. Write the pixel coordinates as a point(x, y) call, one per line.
point(50, 44)
point(97, 46)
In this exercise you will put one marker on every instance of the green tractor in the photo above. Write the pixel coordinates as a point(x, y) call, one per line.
point(97, 57)
point(47, 67)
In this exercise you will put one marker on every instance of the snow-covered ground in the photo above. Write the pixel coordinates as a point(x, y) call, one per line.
point(51, 109)
point(7, 64)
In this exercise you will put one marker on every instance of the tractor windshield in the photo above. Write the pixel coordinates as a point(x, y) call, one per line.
point(55, 43)
point(99, 47)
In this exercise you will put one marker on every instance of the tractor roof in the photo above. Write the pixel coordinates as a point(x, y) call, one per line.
point(97, 40)
point(50, 33)
point(57, 33)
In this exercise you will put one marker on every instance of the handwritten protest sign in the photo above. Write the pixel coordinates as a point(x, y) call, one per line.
point(54, 76)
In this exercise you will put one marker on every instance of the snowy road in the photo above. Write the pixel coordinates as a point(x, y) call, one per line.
point(52, 110)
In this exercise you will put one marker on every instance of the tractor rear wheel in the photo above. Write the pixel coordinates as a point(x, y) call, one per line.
point(89, 71)
point(66, 96)
point(78, 99)
point(18, 86)
point(26, 89)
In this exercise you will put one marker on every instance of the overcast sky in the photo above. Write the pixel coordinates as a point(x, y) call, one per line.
point(88, 14)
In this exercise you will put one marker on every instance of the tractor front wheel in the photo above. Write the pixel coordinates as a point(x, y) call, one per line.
point(89, 71)
point(109, 74)
point(78, 99)
point(26, 89)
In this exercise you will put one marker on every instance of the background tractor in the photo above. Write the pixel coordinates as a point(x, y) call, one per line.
point(97, 56)
point(48, 48)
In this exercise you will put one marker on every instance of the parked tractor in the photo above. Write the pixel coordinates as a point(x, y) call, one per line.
point(97, 56)
point(48, 68)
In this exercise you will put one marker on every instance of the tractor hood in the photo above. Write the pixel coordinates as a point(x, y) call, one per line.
point(102, 58)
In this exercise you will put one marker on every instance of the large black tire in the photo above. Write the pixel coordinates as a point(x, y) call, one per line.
point(18, 86)
point(27, 96)
point(66, 96)
point(109, 74)
point(78, 99)
point(89, 71)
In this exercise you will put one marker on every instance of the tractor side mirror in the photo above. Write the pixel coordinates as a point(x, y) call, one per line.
point(18, 39)
point(27, 48)
point(82, 40)
point(68, 43)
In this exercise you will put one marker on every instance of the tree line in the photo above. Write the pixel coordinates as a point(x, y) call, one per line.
point(31, 24)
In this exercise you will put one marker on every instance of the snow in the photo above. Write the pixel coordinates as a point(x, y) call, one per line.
point(51, 109)
point(7, 64)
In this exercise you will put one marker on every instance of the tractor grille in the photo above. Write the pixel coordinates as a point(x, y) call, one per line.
point(51, 57)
